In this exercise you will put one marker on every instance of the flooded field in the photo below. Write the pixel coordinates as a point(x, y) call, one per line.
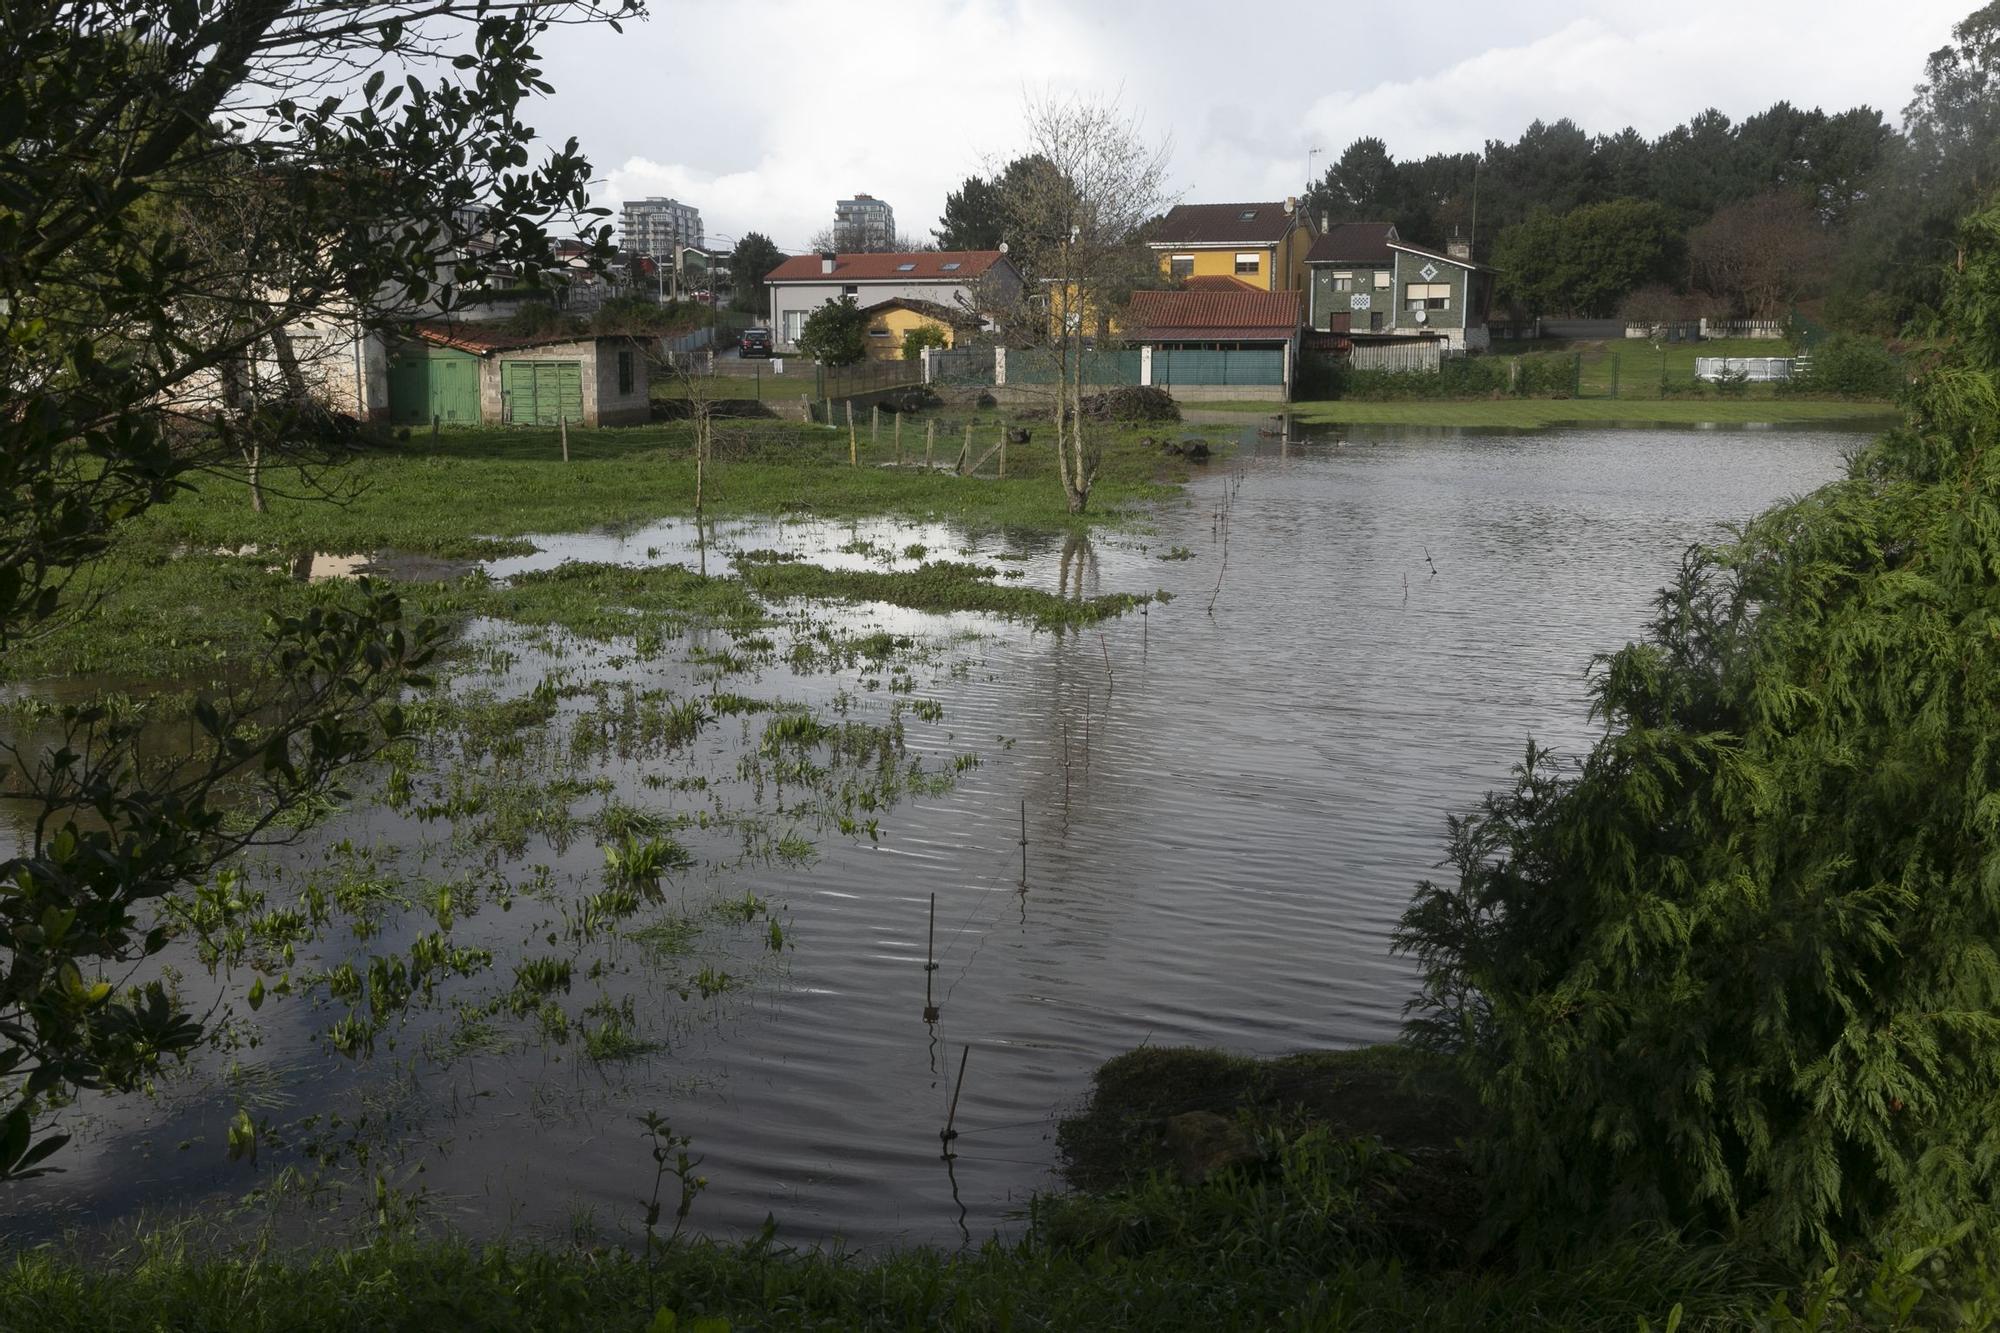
point(690, 871)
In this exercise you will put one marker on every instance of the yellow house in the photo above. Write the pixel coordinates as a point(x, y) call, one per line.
point(889, 321)
point(1259, 246)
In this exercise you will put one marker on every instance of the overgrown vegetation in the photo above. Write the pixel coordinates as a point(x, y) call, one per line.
point(1732, 971)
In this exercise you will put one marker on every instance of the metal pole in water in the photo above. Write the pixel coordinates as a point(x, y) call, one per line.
point(1024, 846)
point(947, 1134)
point(930, 966)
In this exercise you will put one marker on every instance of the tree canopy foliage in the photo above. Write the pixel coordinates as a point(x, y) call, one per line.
point(975, 214)
point(1585, 261)
point(182, 186)
point(1739, 968)
point(836, 334)
point(749, 264)
point(1859, 216)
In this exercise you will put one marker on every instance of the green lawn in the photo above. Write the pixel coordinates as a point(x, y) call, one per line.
point(1633, 367)
point(1540, 413)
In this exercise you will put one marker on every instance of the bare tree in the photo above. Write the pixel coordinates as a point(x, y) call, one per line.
point(1075, 227)
point(1761, 255)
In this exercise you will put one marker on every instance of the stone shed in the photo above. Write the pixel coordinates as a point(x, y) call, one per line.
point(460, 373)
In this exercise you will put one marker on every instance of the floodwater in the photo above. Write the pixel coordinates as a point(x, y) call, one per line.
point(1227, 802)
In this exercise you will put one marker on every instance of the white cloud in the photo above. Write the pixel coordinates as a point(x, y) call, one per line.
point(762, 116)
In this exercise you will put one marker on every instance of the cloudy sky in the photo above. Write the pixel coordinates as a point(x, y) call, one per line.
point(762, 114)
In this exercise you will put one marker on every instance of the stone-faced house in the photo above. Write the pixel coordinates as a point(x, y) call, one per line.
point(1367, 281)
point(1259, 246)
point(472, 373)
point(974, 281)
point(1353, 276)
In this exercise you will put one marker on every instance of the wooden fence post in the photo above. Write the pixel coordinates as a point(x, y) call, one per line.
point(899, 439)
point(965, 450)
point(875, 424)
point(1003, 449)
point(853, 445)
point(930, 441)
point(562, 428)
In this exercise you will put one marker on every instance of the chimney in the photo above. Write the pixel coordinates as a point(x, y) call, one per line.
point(826, 261)
point(1459, 248)
point(1324, 223)
point(1291, 203)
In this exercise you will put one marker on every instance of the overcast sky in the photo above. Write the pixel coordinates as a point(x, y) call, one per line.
point(762, 114)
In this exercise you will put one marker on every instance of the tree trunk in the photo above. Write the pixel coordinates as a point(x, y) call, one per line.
point(253, 458)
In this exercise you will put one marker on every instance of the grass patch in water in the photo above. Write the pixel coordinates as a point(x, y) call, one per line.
point(938, 586)
point(1543, 413)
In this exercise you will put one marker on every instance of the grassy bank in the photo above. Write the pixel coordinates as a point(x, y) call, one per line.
point(1543, 413)
point(1306, 1226)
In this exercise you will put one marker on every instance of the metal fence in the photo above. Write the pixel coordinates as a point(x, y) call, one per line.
point(966, 367)
point(1583, 328)
point(1039, 365)
point(1252, 366)
point(867, 377)
point(1755, 369)
point(1397, 357)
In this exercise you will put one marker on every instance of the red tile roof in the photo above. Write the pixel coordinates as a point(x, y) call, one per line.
point(925, 266)
point(1354, 243)
point(1225, 224)
point(1217, 282)
point(1208, 314)
point(481, 338)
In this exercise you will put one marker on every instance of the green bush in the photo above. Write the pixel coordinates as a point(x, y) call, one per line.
point(1736, 971)
point(920, 337)
point(1849, 365)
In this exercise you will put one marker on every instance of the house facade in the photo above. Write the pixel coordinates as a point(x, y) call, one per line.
point(889, 321)
point(1353, 275)
point(1443, 295)
point(1259, 246)
point(1218, 344)
point(973, 281)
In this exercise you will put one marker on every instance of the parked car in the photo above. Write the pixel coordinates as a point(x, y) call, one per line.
point(754, 342)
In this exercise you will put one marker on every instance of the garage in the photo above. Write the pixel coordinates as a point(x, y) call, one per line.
point(430, 383)
point(542, 393)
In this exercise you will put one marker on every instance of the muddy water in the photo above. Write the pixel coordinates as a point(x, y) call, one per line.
point(1227, 802)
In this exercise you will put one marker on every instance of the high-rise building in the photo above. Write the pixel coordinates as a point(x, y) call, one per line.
point(654, 226)
point(863, 224)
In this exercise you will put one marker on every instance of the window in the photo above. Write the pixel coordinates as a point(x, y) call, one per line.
point(1343, 282)
point(878, 333)
point(1381, 279)
point(850, 291)
point(906, 268)
point(1374, 321)
point(795, 323)
point(1427, 296)
point(625, 371)
point(952, 267)
point(1181, 266)
point(1247, 263)
point(1247, 215)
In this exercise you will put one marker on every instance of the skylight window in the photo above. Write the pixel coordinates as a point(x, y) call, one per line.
point(952, 267)
point(1246, 215)
point(906, 268)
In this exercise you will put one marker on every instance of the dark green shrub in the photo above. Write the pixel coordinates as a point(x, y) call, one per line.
point(1736, 970)
point(1850, 365)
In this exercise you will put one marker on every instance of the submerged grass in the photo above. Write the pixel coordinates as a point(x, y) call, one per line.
point(938, 586)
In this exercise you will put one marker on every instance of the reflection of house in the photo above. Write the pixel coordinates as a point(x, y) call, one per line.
point(1353, 275)
point(1261, 246)
point(969, 280)
point(465, 374)
point(890, 320)
point(1218, 338)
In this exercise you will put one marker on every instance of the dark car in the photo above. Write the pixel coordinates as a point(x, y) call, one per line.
point(754, 342)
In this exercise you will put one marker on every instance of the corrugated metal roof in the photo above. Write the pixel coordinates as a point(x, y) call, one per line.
point(924, 266)
point(1216, 314)
point(1225, 224)
point(495, 337)
point(1354, 243)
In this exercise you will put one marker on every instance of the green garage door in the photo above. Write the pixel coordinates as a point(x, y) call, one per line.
point(541, 393)
point(428, 382)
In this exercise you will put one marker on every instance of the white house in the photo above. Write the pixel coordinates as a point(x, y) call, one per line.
point(976, 281)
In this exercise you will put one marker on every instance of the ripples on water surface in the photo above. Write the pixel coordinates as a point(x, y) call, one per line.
point(1250, 796)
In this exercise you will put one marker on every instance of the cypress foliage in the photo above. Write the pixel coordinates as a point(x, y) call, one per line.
point(1738, 968)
